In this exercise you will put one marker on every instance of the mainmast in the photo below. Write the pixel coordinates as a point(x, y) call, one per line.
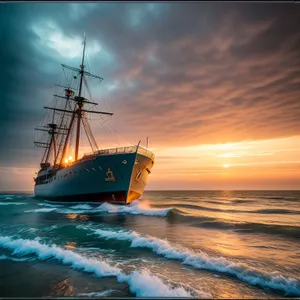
point(79, 101)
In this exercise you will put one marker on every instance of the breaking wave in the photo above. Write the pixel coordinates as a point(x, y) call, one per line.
point(135, 208)
point(201, 260)
point(143, 284)
point(82, 206)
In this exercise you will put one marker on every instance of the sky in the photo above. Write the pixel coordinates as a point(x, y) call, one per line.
point(215, 86)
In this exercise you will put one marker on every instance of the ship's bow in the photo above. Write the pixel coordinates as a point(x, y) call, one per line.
point(142, 168)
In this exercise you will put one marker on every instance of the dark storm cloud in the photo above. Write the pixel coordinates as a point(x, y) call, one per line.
point(22, 82)
point(184, 73)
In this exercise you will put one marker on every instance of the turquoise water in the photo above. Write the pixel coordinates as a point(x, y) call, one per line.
point(220, 244)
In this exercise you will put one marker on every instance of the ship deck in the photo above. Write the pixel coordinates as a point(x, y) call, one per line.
point(119, 150)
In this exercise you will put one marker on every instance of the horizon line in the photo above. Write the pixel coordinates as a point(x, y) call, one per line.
point(188, 190)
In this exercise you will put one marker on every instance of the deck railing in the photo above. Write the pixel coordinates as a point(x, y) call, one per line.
point(130, 149)
point(146, 152)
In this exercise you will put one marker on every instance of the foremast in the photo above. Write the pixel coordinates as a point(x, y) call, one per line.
point(77, 115)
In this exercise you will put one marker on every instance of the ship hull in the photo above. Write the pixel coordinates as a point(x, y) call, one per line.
point(117, 178)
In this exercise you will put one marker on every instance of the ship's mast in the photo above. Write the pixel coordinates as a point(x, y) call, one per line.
point(77, 111)
point(80, 101)
point(51, 129)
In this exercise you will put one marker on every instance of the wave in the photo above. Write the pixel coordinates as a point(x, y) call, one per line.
point(141, 208)
point(240, 201)
point(275, 211)
point(50, 205)
point(229, 201)
point(135, 208)
point(97, 294)
point(5, 257)
point(289, 231)
point(82, 206)
point(259, 211)
point(7, 197)
point(143, 284)
point(178, 216)
point(40, 210)
point(11, 203)
point(201, 260)
point(278, 198)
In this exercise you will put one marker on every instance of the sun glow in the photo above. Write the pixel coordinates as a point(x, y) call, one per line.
point(226, 166)
point(68, 160)
point(263, 164)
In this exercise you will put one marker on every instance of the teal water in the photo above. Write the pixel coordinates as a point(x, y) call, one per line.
point(204, 244)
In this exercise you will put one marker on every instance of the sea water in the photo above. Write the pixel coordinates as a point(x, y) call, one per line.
point(204, 244)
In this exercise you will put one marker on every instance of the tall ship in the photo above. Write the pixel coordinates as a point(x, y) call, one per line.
point(116, 175)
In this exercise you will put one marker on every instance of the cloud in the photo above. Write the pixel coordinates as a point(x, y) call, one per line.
point(182, 73)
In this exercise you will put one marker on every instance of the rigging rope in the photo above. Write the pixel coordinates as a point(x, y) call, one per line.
point(87, 87)
point(89, 133)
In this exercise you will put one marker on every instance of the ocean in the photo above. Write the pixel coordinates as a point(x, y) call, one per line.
point(204, 244)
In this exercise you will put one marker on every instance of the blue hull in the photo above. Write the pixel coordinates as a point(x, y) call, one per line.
point(116, 178)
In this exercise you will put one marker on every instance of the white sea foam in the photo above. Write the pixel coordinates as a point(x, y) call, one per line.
point(5, 257)
point(145, 284)
point(40, 210)
point(50, 205)
point(135, 208)
point(72, 211)
point(11, 203)
point(141, 283)
point(82, 206)
point(290, 286)
point(51, 228)
point(98, 294)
